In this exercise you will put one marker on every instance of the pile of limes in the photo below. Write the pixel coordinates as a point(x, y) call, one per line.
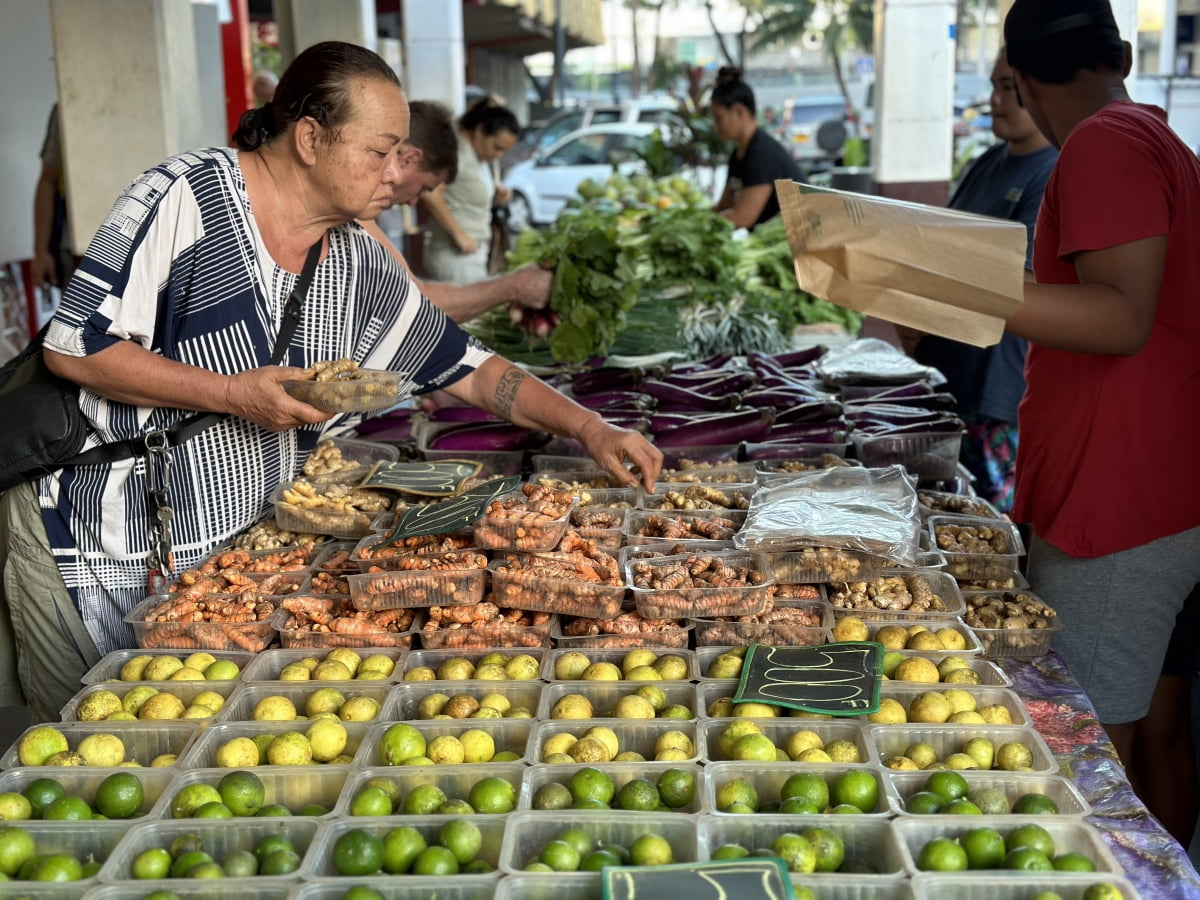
point(20, 860)
point(200, 666)
point(118, 796)
point(382, 796)
point(593, 788)
point(1028, 848)
point(273, 854)
point(575, 850)
point(854, 791)
point(361, 852)
point(237, 794)
point(948, 792)
point(744, 740)
point(811, 850)
point(491, 667)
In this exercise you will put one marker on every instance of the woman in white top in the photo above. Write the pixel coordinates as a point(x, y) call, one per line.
point(460, 233)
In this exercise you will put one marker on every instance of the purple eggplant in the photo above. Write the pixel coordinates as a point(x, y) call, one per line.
point(604, 378)
point(607, 399)
point(627, 420)
point(807, 433)
point(462, 414)
point(670, 396)
point(875, 391)
point(393, 419)
point(931, 402)
point(865, 416)
point(797, 358)
point(704, 365)
point(733, 428)
point(812, 411)
point(487, 437)
point(942, 426)
point(662, 421)
point(721, 381)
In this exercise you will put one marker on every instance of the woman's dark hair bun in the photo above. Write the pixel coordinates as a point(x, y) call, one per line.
point(256, 127)
point(728, 74)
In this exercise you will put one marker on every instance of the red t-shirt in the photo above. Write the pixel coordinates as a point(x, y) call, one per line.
point(1108, 443)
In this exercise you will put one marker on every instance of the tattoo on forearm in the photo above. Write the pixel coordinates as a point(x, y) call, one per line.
point(506, 391)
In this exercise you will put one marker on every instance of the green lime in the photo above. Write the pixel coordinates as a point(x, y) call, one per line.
point(214, 810)
point(362, 892)
point(730, 851)
point(597, 860)
point(40, 793)
point(152, 863)
point(492, 795)
point(281, 862)
point(991, 802)
point(269, 844)
point(962, 807)
point(186, 843)
point(561, 856)
point(942, 855)
point(462, 838)
point(552, 795)
point(809, 786)
point(1028, 859)
point(801, 806)
point(857, 788)
point(455, 807)
point(984, 848)
point(737, 792)
point(577, 838)
point(68, 808)
point(1073, 862)
point(208, 869)
point(424, 800)
point(677, 788)
point(924, 803)
point(242, 791)
point(637, 795)
point(435, 861)
point(651, 850)
point(797, 853)
point(1102, 891)
point(357, 852)
point(241, 864)
point(185, 862)
point(589, 783)
point(948, 784)
point(57, 867)
point(273, 810)
point(120, 796)
point(313, 809)
point(1035, 805)
point(401, 847)
point(1034, 836)
point(828, 846)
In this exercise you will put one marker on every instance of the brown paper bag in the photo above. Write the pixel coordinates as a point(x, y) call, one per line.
point(938, 270)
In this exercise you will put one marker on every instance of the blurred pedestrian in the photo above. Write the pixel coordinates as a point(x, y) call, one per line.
point(53, 261)
point(263, 86)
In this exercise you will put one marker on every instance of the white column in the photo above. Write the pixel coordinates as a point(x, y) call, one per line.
point(1166, 43)
point(434, 60)
point(210, 102)
point(127, 83)
point(914, 98)
point(303, 23)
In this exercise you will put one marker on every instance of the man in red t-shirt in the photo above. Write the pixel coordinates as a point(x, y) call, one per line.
point(1113, 370)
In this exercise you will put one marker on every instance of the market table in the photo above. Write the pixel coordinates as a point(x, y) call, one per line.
point(1153, 860)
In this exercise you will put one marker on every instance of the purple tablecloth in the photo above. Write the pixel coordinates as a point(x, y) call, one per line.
point(1154, 861)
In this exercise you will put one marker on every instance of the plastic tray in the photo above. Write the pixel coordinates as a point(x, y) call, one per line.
point(83, 783)
point(980, 566)
point(507, 734)
point(298, 561)
point(330, 558)
point(1062, 791)
point(250, 636)
point(268, 665)
point(1016, 582)
point(82, 840)
point(656, 548)
point(455, 781)
point(704, 659)
point(710, 632)
point(604, 696)
point(721, 468)
point(621, 773)
point(607, 537)
point(521, 638)
point(109, 668)
point(240, 707)
point(525, 589)
point(500, 462)
point(856, 887)
point(203, 753)
point(869, 838)
point(606, 498)
point(534, 886)
point(346, 525)
point(294, 787)
point(615, 657)
point(943, 503)
point(768, 780)
point(676, 638)
point(1069, 836)
point(1014, 642)
point(1015, 885)
point(319, 864)
point(293, 638)
point(929, 457)
point(369, 390)
point(435, 658)
point(144, 741)
point(941, 584)
point(780, 729)
point(973, 647)
point(187, 889)
point(549, 462)
point(493, 533)
point(455, 540)
point(638, 735)
point(820, 565)
point(363, 455)
point(703, 602)
point(906, 691)
point(429, 587)
point(220, 836)
point(734, 491)
point(990, 674)
point(637, 524)
point(892, 740)
point(527, 832)
point(186, 691)
point(406, 698)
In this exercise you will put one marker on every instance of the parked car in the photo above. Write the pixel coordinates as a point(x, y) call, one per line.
point(563, 122)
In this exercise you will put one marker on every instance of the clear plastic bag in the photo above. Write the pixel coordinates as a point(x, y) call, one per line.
point(872, 510)
point(873, 360)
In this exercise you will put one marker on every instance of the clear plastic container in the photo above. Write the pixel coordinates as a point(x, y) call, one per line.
point(492, 463)
point(203, 753)
point(434, 659)
point(608, 498)
point(324, 520)
point(249, 636)
point(905, 692)
point(998, 565)
point(870, 839)
point(293, 638)
point(712, 690)
point(705, 465)
point(319, 864)
point(240, 707)
point(1066, 796)
point(604, 696)
point(676, 638)
point(335, 558)
point(109, 668)
point(186, 691)
point(601, 524)
point(391, 555)
point(615, 657)
point(83, 783)
point(1014, 642)
point(638, 735)
point(532, 886)
point(294, 787)
point(856, 887)
point(220, 836)
point(730, 497)
point(495, 533)
point(188, 889)
point(656, 548)
point(780, 729)
point(524, 588)
point(893, 740)
point(768, 780)
point(1015, 582)
point(820, 565)
point(268, 665)
point(406, 698)
point(407, 887)
point(746, 599)
point(943, 503)
point(1015, 885)
point(455, 781)
point(710, 632)
point(86, 841)
point(548, 462)
point(535, 777)
point(928, 457)
point(705, 657)
point(990, 674)
point(855, 598)
point(258, 564)
point(510, 735)
point(648, 526)
point(528, 832)
point(144, 741)
point(418, 587)
point(357, 460)
point(523, 638)
point(972, 646)
point(365, 390)
point(759, 453)
point(1069, 836)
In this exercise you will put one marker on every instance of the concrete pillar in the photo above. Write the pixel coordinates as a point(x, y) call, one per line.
point(912, 144)
point(127, 82)
point(433, 53)
point(210, 103)
point(1125, 12)
point(303, 23)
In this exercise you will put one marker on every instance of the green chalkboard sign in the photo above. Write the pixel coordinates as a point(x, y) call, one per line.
point(758, 878)
point(424, 479)
point(836, 679)
point(452, 514)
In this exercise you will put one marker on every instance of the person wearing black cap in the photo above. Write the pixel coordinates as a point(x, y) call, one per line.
point(1113, 371)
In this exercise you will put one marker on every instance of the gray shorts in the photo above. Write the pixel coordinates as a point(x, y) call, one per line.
point(1117, 613)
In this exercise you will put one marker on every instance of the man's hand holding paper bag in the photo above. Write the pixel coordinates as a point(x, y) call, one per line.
point(937, 270)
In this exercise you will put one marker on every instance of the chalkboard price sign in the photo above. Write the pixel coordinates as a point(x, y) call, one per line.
point(760, 878)
point(836, 679)
point(425, 479)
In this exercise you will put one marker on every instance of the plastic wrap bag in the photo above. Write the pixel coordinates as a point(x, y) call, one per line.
point(873, 360)
point(871, 510)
